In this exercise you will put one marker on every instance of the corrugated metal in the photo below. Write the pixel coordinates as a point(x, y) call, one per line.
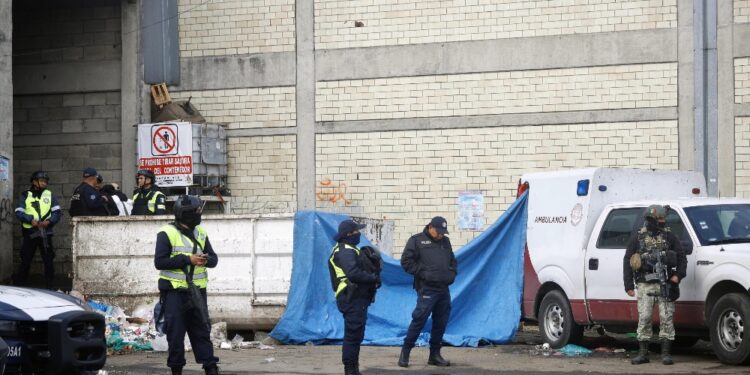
point(161, 54)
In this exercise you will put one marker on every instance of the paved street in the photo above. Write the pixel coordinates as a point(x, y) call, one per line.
point(518, 357)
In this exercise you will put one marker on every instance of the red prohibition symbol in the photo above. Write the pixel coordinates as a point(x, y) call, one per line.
point(164, 140)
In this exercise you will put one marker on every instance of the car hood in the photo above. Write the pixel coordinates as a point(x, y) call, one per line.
point(34, 304)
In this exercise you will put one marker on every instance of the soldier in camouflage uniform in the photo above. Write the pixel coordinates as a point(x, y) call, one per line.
point(639, 267)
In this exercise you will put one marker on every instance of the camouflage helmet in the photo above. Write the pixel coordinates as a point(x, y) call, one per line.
point(657, 212)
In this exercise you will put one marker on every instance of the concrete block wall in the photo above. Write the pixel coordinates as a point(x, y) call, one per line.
point(555, 90)
point(67, 102)
point(742, 158)
point(262, 174)
point(400, 22)
point(741, 11)
point(254, 107)
point(72, 132)
point(6, 139)
point(742, 80)
point(235, 27)
point(410, 176)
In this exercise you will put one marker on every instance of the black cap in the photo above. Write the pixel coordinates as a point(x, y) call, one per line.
point(347, 226)
point(440, 224)
point(89, 172)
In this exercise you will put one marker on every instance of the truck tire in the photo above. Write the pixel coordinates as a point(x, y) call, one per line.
point(727, 325)
point(556, 324)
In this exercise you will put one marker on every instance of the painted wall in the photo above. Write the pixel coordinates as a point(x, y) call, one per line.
point(6, 139)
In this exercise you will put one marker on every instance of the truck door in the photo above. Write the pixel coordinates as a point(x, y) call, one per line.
point(605, 293)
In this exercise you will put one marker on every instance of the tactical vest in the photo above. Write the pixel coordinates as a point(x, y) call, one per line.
point(182, 245)
point(339, 280)
point(649, 244)
point(150, 202)
point(45, 205)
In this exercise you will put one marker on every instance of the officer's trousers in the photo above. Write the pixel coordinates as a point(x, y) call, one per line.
point(177, 321)
point(355, 319)
point(28, 248)
point(437, 303)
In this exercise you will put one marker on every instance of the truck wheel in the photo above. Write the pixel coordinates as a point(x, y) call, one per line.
point(727, 328)
point(556, 324)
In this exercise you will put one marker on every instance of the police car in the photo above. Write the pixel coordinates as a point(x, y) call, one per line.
point(50, 332)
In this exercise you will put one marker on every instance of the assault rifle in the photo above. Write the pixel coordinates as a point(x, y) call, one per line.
point(40, 231)
point(667, 289)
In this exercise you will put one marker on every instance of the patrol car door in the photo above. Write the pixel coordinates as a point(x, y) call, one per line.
point(605, 292)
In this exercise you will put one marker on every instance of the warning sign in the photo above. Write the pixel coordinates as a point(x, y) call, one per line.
point(167, 150)
point(164, 140)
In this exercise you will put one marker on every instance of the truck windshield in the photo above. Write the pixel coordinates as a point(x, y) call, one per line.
point(721, 223)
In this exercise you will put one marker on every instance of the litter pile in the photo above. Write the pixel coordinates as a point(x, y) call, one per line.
point(137, 331)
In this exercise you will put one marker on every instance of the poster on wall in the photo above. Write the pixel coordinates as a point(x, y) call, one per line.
point(166, 148)
point(470, 210)
point(4, 168)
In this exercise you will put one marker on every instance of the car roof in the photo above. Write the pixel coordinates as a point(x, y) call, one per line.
point(682, 202)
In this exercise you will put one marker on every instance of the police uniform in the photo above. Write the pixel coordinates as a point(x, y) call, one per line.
point(39, 205)
point(434, 267)
point(86, 200)
point(149, 202)
point(645, 243)
point(173, 249)
point(354, 286)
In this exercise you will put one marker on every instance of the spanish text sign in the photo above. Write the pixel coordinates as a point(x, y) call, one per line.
point(167, 149)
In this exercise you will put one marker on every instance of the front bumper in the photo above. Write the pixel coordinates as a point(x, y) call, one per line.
point(66, 343)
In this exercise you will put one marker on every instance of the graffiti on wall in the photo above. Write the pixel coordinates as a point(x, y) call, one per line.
point(332, 191)
point(6, 212)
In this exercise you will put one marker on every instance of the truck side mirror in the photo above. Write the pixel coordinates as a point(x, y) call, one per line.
point(687, 246)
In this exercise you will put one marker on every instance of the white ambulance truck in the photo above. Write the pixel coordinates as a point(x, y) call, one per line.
point(579, 224)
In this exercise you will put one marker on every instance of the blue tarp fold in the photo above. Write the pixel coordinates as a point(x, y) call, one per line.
point(486, 295)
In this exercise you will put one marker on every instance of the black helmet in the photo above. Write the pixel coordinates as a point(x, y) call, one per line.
point(146, 173)
point(39, 175)
point(187, 205)
point(657, 212)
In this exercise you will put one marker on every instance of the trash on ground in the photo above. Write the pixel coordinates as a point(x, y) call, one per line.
point(218, 333)
point(269, 360)
point(265, 347)
point(572, 350)
point(225, 345)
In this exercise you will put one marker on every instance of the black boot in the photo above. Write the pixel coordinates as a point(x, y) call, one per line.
point(356, 369)
point(403, 359)
point(436, 359)
point(176, 370)
point(666, 352)
point(642, 356)
point(350, 369)
point(213, 370)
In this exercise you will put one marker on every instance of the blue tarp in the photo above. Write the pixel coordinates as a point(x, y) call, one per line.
point(486, 294)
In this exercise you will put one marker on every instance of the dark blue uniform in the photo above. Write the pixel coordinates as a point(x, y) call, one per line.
point(177, 319)
point(29, 245)
point(434, 268)
point(87, 201)
point(353, 304)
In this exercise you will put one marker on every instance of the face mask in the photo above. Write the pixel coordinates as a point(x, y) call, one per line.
point(191, 219)
point(352, 240)
point(651, 224)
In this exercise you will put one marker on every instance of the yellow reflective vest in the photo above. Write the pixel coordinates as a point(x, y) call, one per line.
point(151, 203)
point(336, 271)
point(45, 205)
point(182, 245)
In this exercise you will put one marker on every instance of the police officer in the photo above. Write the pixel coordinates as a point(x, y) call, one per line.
point(148, 199)
point(429, 257)
point(354, 284)
point(38, 212)
point(86, 200)
point(183, 249)
point(639, 266)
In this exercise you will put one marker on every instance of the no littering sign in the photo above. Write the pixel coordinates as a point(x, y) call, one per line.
point(164, 140)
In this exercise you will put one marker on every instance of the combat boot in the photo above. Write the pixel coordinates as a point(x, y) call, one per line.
point(436, 359)
point(403, 359)
point(350, 369)
point(356, 369)
point(666, 352)
point(176, 370)
point(213, 370)
point(642, 356)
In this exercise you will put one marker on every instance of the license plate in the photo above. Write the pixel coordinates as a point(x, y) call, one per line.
point(14, 353)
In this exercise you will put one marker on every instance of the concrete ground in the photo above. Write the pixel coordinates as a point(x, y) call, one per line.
point(518, 357)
